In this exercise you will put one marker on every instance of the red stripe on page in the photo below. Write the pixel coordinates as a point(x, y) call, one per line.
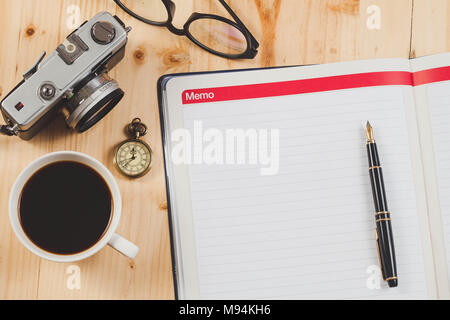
point(284, 88)
point(431, 75)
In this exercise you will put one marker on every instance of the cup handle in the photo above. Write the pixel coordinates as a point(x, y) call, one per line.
point(124, 246)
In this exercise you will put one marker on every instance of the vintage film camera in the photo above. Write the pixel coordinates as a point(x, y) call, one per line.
point(72, 80)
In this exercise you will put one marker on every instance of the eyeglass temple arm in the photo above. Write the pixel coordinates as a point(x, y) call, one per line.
point(235, 17)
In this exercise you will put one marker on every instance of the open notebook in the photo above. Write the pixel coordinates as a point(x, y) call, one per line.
point(303, 227)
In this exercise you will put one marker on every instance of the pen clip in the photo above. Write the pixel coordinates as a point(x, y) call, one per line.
point(379, 256)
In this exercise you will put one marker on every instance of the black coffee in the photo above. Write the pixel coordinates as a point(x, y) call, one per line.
point(65, 207)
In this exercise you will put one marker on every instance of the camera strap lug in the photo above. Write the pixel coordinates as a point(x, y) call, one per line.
point(9, 130)
point(35, 66)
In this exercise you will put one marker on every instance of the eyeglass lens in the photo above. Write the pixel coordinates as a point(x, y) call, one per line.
point(214, 34)
point(218, 36)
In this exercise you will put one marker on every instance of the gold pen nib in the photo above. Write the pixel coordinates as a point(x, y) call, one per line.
point(369, 133)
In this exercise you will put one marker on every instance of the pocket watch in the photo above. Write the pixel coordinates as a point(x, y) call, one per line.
point(133, 157)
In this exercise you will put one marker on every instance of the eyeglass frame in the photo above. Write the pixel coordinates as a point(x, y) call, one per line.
point(252, 43)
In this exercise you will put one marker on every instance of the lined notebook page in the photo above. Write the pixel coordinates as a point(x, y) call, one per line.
point(308, 231)
point(439, 103)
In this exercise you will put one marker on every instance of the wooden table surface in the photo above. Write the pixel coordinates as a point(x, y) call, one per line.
point(290, 32)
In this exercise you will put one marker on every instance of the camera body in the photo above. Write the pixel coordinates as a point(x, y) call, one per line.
point(72, 80)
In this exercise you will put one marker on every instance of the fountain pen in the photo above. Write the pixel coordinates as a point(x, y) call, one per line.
point(383, 231)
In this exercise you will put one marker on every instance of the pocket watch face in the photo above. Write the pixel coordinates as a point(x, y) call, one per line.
point(133, 158)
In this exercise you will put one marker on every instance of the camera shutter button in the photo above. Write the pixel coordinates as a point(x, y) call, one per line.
point(47, 91)
point(103, 32)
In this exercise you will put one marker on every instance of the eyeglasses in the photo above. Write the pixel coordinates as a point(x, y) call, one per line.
point(213, 33)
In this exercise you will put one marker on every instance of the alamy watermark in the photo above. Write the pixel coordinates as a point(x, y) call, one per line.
point(73, 17)
point(227, 147)
point(373, 282)
point(74, 279)
point(374, 19)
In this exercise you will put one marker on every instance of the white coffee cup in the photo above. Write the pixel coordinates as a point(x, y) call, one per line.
point(109, 236)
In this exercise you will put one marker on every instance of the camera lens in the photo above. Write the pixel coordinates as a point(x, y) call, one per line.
point(92, 102)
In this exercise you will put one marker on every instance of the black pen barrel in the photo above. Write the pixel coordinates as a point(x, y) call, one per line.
point(387, 252)
point(385, 241)
point(372, 154)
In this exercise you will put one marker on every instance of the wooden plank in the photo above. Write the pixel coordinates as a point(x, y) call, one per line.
point(290, 32)
point(431, 27)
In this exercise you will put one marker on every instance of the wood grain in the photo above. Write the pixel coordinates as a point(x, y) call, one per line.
point(431, 27)
point(290, 32)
